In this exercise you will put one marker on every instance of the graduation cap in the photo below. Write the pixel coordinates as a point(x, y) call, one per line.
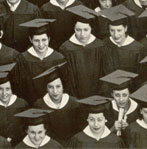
point(117, 15)
point(94, 104)
point(34, 116)
point(83, 13)
point(4, 72)
point(119, 79)
point(141, 95)
point(52, 73)
point(144, 60)
point(38, 26)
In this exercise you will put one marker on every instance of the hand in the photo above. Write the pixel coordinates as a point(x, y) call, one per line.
point(117, 125)
point(124, 124)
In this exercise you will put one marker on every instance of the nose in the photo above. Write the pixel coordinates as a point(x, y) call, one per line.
point(116, 35)
point(36, 137)
point(40, 43)
point(4, 92)
point(55, 90)
point(120, 98)
point(96, 124)
point(107, 3)
point(82, 33)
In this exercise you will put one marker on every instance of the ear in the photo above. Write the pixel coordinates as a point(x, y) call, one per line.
point(140, 111)
point(106, 121)
point(1, 34)
point(126, 28)
point(30, 39)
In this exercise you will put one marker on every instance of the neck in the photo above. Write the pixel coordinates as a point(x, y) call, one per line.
point(63, 4)
point(41, 54)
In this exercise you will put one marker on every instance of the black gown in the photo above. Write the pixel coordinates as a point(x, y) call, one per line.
point(63, 27)
point(63, 122)
point(29, 66)
point(11, 125)
point(83, 68)
point(83, 141)
point(135, 136)
point(16, 36)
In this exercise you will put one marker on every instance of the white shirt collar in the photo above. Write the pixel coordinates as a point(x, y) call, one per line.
point(127, 41)
point(14, 7)
point(33, 52)
point(142, 123)
point(137, 2)
point(88, 132)
point(54, 2)
point(76, 41)
point(12, 100)
point(133, 106)
point(0, 46)
point(28, 142)
point(51, 104)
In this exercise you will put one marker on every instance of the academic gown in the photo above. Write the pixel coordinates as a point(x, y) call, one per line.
point(4, 143)
point(135, 27)
point(135, 136)
point(9, 124)
point(63, 27)
point(39, 3)
point(7, 55)
point(84, 141)
point(62, 122)
point(29, 66)
point(83, 68)
point(50, 144)
point(16, 36)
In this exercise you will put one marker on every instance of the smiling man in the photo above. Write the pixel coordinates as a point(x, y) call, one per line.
point(34, 61)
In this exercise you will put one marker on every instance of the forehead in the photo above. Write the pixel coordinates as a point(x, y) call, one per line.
point(55, 82)
point(126, 90)
point(6, 84)
point(82, 25)
point(36, 127)
point(96, 115)
point(116, 26)
point(44, 35)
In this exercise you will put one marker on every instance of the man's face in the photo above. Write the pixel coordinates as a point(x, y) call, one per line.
point(5, 92)
point(143, 2)
point(121, 97)
point(40, 42)
point(104, 4)
point(96, 122)
point(13, 1)
point(118, 33)
point(55, 90)
point(36, 134)
point(144, 114)
point(82, 32)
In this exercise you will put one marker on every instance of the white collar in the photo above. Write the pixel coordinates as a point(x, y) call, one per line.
point(97, 9)
point(28, 142)
point(0, 46)
point(127, 41)
point(137, 2)
point(54, 2)
point(14, 7)
point(133, 106)
point(142, 123)
point(76, 41)
point(51, 104)
point(12, 100)
point(33, 52)
point(88, 132)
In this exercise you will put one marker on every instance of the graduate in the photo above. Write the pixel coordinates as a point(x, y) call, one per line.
point(63, 122)
point(123, 109)
point(7, 54)
point(83, 52)
point(36, 128)
point(17, 12)
point(96, 134)
point(10, 104)
point(34, 61)
point(121, 51)
point(63, 27)
point(136, 133)
point(137, 6)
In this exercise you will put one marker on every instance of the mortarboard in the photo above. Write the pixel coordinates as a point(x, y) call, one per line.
point(144, 60)
point(119, 79)
point(38, 26)
point(4, 72)
point(52, 73)
point(83, 13)
point(117, 15)
point(34, 116)
point(141, 95)
point(94, 104)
